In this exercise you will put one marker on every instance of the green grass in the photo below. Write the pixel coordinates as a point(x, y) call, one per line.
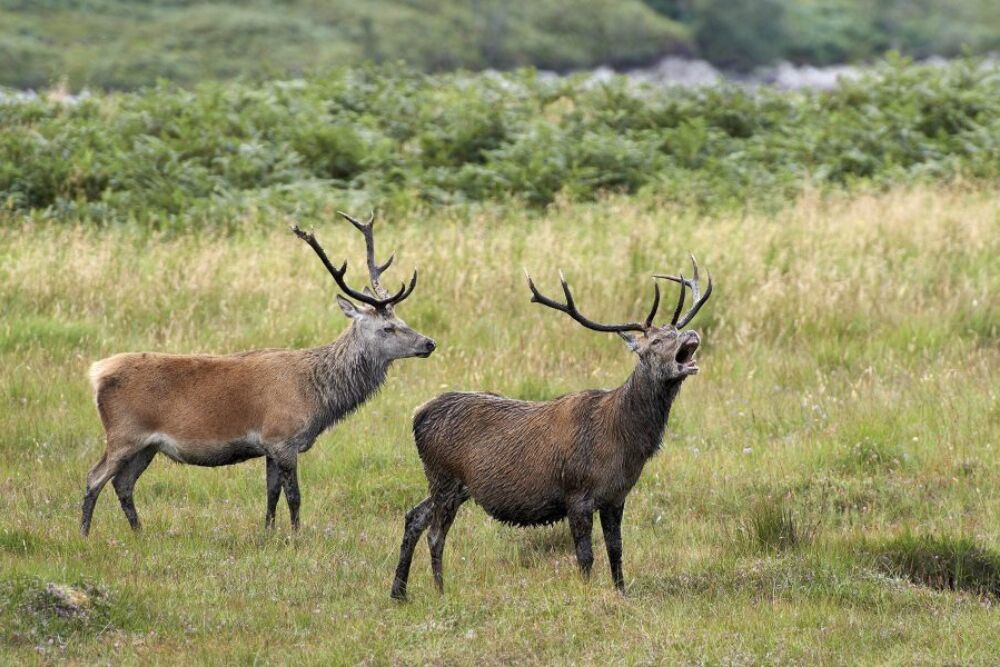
point(942, 562)
point(849, 375)
point(772, 526)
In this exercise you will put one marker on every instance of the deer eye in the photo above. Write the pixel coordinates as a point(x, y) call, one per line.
point(389, 328)
point(655, 341)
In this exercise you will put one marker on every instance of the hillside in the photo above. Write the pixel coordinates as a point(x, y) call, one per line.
point(125, 44)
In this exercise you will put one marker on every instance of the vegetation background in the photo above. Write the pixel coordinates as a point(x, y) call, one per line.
point(124, 44)
point(828, 487)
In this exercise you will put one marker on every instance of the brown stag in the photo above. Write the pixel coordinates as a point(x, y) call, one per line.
point(536, 462)
point(210, 410)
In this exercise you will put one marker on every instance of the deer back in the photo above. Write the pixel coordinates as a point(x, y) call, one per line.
point(205, 398)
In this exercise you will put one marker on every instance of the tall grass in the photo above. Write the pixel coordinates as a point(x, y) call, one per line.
point(849, 368)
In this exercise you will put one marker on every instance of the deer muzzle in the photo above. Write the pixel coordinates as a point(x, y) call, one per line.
point(685, 353)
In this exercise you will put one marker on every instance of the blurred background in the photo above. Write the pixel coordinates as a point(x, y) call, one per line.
point(124, 44)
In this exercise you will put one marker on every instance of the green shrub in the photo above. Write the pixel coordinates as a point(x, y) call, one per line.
point(389, 136)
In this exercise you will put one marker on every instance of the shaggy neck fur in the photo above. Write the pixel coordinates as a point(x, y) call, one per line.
point(345, 374)
point(642, 406)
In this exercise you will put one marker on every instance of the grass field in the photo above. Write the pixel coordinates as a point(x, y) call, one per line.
point(825, 482)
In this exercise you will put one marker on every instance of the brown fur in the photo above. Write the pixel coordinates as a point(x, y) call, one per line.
point(536, 462)
point(218, 410)
point(206, 400)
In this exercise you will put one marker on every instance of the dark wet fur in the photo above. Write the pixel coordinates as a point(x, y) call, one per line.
point(530, 463)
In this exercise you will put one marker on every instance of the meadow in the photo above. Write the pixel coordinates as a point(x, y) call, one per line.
point(828, 490)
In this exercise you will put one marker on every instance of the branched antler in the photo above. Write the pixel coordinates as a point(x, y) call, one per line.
point(374, 269)
point(379, 298)
point(692, 284)
point(570, 308)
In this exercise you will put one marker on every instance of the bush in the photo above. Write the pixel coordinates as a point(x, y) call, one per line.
point(390, 136)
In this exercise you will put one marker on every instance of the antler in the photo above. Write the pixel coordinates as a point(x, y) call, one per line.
point(570, 308)
point(380, 299)
point(692, 284)
point(374, 270)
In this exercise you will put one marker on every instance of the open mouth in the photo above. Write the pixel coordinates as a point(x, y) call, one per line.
point(685, 355)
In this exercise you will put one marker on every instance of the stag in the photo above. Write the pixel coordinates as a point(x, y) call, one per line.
point(209, 410)
point(529, 463)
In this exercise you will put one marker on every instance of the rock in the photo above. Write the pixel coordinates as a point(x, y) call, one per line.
point(68, 601)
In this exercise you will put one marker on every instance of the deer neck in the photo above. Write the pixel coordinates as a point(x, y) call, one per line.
point(345, 374)
point(642, 406)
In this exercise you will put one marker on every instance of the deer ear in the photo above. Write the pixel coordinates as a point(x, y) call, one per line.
point(348, 307)
point(630, 341)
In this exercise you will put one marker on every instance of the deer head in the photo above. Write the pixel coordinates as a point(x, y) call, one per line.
point(388, 336)
point(666, 349)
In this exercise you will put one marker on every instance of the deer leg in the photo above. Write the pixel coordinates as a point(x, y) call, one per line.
point(98, 476)
point(124, 483)
point(290, 482)
point(445, 507)
point(581, 523)
point(611, 526)
point(416, 523)
point(273, 492)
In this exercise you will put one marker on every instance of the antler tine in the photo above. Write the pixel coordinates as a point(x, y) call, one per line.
point(361, 226)
point(656, 305)
point(686, 282)
point(375, 270)
point(695, 295)
point(566, 291)
point(338, 274)
point(680, 303)
point(699, 298)
point(697, 304)
point(570, 309)
point(405, 290)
